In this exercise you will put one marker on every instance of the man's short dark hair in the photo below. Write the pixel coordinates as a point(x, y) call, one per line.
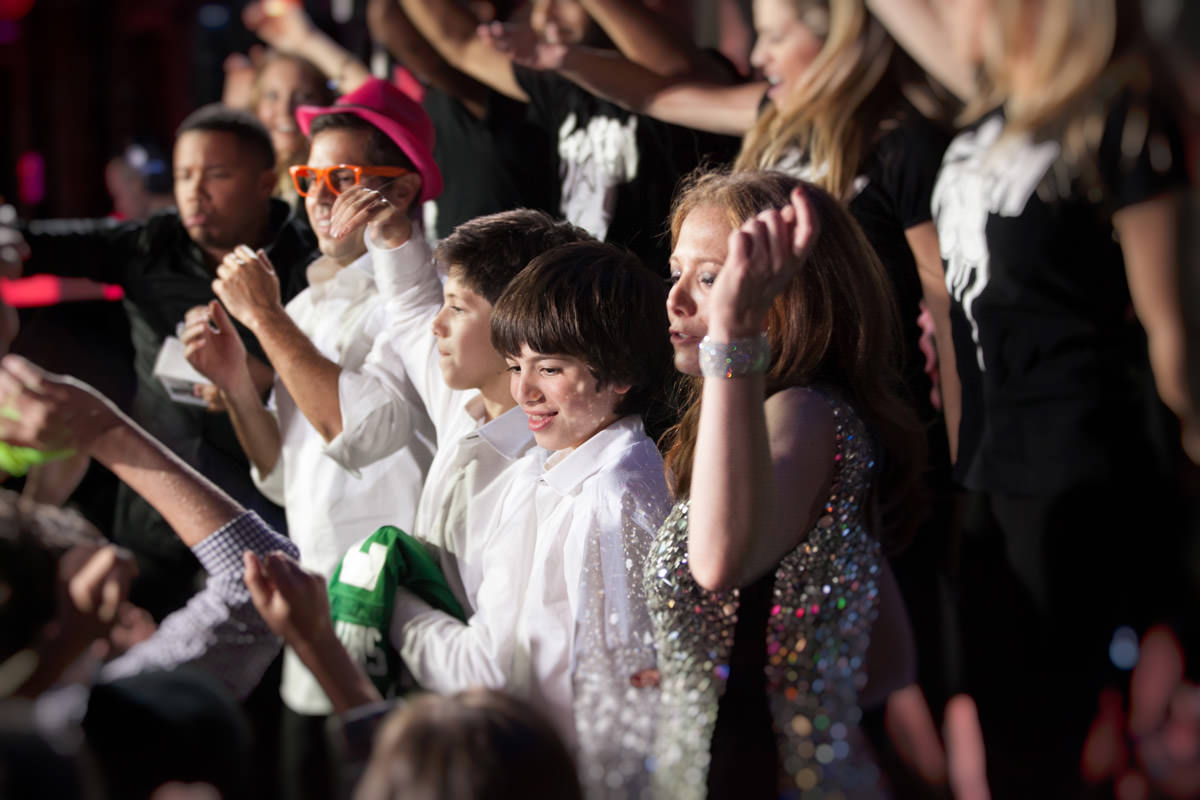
point(245, 127)
point(381, 150)
point(485, 253)
point(596, 302)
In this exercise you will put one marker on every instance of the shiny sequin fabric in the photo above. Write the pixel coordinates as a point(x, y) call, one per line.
point(818, 628)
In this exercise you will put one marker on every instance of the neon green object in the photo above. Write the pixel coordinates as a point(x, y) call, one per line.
point(17, 461)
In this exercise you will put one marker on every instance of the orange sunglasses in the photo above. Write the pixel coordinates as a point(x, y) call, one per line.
point(338, 178)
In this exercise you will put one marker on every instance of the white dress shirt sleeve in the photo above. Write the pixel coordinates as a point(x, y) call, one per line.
point(444, 654)
point(376, 401)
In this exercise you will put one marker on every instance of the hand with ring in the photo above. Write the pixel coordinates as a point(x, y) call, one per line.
point(387, 223)
point(248, 287)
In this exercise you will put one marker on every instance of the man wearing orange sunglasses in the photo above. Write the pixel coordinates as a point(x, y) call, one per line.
point(370, 167)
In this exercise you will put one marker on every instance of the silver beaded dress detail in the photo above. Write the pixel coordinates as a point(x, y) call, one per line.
point(824, 601)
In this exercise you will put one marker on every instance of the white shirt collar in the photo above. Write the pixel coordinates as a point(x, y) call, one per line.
point(566, 469)
point(508, 434)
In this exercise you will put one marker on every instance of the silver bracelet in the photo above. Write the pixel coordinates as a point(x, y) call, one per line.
point(736, 358)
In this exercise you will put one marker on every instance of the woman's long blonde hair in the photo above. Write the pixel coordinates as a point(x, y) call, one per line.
point(1079, 58)
point(856, 84)
point(836, 324)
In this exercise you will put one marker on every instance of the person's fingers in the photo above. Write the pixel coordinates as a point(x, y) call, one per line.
point(265, 260)
point(31, 376)
point(1131, 786)
point(356, 220)
point(86, 586)
point(807, 228)
point(740, 246)
point(777, 240)
point(112, 593)
point(1158, 672)
point(759, 253)
point(256, 580)
point(1104, 752)
point(195, 313)
point(282, 572)
point(914, 734)
point(253, 16)
point(966, 761)
point(220, 317)
point(195, 332)
point(236, 61)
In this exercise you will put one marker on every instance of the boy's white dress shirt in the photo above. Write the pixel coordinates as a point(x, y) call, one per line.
point(560, 613)
point(328, 507)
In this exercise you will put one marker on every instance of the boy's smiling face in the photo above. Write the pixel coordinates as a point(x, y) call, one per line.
point(561, 397)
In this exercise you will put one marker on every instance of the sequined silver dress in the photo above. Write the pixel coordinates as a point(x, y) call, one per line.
point(818, 626)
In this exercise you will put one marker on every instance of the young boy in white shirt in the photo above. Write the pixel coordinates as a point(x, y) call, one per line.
point(560, 614)
point(463, 382)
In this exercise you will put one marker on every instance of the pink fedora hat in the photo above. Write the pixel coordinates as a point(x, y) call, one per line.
point(398, 116)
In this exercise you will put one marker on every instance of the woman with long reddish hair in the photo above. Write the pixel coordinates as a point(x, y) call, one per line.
point(795, 466)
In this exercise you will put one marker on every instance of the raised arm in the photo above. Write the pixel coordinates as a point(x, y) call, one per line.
point(759, 469)
point(713, 107)
point(288, 28)
point(921, 30)
point(219, 629)
point(248, 287)
point(450, 28)
point(650, 40)
point(212, 345)
point(99, 249)
point(391, 27)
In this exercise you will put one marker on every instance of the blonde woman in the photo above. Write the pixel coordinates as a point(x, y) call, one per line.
point(1056, 210)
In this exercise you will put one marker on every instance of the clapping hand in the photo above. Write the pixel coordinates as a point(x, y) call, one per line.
point(248, 287)
point(213, 347)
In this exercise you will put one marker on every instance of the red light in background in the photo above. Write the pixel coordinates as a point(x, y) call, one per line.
point(14, 9)
point(31, 177)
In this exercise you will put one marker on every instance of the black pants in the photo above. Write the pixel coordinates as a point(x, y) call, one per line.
point(1044, 582)
point(306, 762)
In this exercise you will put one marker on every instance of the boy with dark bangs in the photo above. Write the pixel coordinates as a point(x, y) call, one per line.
point(560, 614)
point(582, 330)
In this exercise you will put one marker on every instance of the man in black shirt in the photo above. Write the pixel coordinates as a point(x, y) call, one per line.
point(224, 176)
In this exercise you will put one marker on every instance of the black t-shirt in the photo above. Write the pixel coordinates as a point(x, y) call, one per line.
point(894, 187)
point(890, 195)
point(617, 169)
point(491, 164)
point(1052, 362)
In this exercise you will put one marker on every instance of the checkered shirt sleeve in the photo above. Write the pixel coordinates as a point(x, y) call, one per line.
point(219, 629)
